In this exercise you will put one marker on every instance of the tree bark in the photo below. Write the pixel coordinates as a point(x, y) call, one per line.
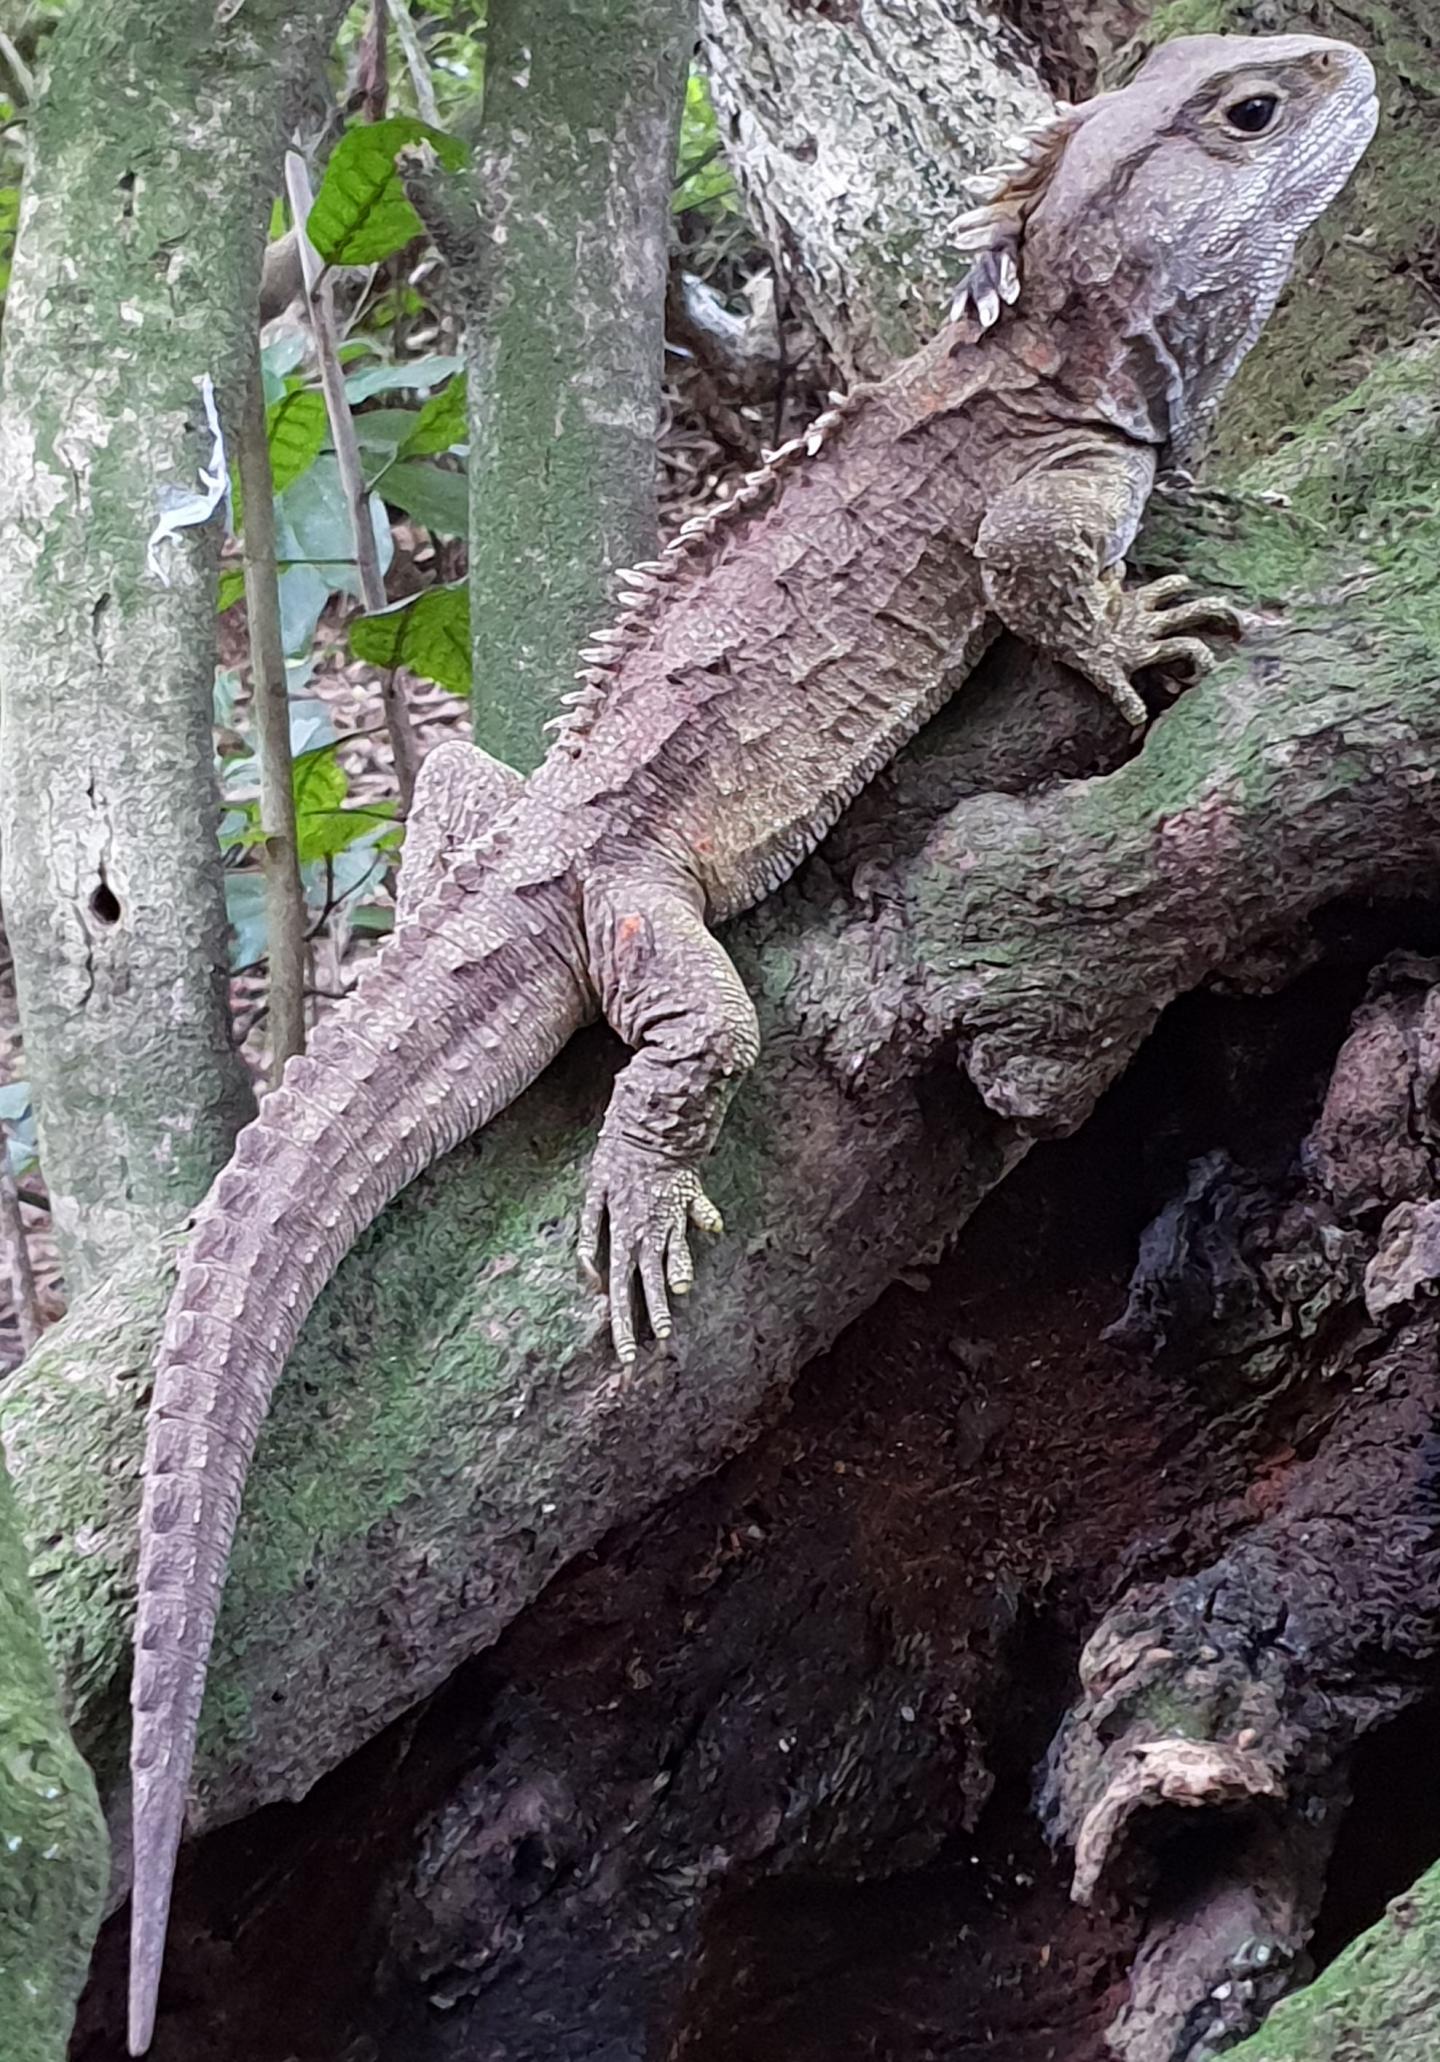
point(53, 1850)
point(154, 154)
point(851, 132)
point(563, 287)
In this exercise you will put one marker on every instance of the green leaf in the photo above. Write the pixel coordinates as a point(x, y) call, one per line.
point(384, 430)
point(361, 214)
point(429, 635)
point(320, 788)
point(316, 548)
point(232, 588)
point(296, 428)
point(407, 375)
point(443, 422)
point(702, 178)
point(245, 908)
point(440, 500)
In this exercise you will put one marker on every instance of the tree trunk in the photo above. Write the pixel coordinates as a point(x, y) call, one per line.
point(563, 288)
point(1377, 2000)
point(52, 1838)
point(851, 132)
point(154, 155)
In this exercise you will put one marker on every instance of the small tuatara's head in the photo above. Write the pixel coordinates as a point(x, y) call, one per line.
point(1172, 206)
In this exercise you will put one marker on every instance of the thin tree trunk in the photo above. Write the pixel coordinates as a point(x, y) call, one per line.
point(154, 155)
point(270, 696)
point(564, 293)
point(53, 1851)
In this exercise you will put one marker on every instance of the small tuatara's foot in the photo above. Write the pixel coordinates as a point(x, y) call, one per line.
point(1152, 626)
point(648, 1205)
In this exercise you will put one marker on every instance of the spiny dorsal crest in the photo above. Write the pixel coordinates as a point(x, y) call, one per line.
point(994, 229)
point(644, 589)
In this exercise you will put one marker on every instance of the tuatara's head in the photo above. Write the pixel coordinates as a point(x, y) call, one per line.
point(1171, 207)
point(1222, 149)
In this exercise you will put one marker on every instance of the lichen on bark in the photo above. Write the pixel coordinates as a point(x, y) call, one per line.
point(153, 158)
point(1379, 2001)
point(851, 132)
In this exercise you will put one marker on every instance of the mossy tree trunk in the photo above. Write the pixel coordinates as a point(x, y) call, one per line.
point(53, 1851)
point(564, 287)
point(154, 155)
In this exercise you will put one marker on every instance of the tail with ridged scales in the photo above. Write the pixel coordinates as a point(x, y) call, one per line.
point(466, 1005)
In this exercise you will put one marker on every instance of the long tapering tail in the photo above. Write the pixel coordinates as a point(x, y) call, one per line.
point(464, 1008)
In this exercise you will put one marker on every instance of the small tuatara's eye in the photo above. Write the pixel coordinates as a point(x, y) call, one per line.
point(1252, 117)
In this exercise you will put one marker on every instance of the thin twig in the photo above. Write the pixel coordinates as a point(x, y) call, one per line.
point(15, 1252)
point(372, 65)
point(270, 689)
point(415, 63)
point(20, 72)
point(347, 457)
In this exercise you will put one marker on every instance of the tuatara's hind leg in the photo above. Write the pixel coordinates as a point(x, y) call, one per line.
point(669, 989)
point(1050, 551)
point(459, 792)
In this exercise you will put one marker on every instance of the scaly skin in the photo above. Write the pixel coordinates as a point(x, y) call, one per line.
point(772, 662)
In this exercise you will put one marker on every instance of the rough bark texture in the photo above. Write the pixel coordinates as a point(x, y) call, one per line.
point(563, 290)
point(52, 1837)
point(851, 131)
point(1238, 1690)
point(154, 155)
point(1378, 2002)
point(447, 1437)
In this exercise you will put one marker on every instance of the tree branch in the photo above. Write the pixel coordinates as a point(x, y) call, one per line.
point(320, 305)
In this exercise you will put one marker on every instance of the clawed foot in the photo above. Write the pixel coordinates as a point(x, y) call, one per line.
point(1148, 626)
point(648, 1205)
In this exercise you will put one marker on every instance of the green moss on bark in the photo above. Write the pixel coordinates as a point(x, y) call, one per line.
point(1378, 2002)
point(53, 1853)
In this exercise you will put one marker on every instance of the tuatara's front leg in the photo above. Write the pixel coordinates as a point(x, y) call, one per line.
point(668, 987)
point(1051, 551)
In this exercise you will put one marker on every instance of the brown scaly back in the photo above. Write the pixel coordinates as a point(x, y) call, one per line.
point(993, 231)
point(644, 589)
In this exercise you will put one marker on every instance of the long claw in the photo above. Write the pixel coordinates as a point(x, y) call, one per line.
point(588, 1242)
point(652, 1281)
point(622, 1321)
point(1187, 651)
point(644, 1201)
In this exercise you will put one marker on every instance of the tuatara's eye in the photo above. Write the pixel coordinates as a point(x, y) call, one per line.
point(1253, 117)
